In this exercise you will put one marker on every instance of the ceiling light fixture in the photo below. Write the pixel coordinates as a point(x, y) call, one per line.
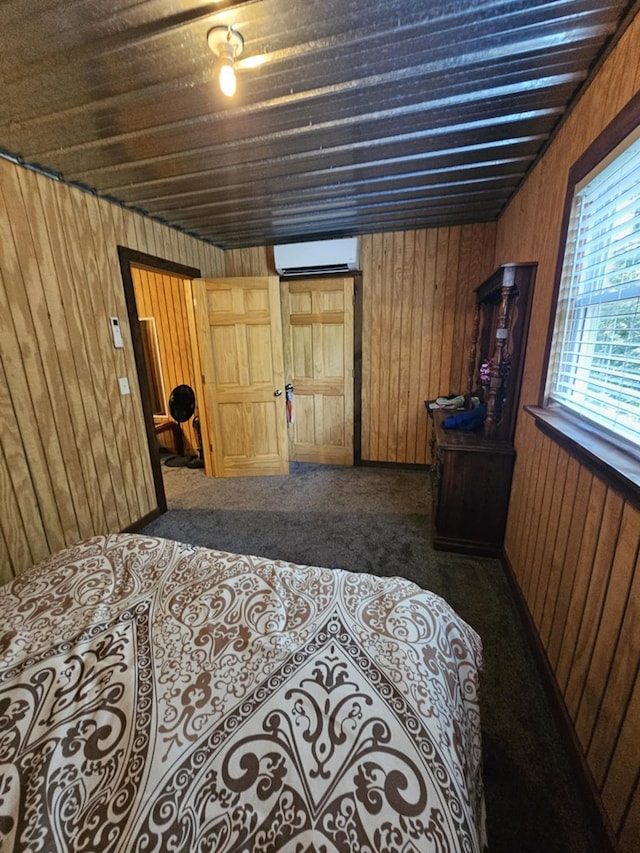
point(227, 44)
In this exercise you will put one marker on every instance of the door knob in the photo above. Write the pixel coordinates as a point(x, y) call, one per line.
point(277, 393)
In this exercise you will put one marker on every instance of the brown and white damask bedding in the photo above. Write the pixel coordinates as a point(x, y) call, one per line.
point(155, 696)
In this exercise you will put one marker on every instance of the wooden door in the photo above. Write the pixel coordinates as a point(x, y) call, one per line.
point(239, 334)
point(318, 333)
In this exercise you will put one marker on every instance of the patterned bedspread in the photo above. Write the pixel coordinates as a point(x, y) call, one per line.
point(157, 696)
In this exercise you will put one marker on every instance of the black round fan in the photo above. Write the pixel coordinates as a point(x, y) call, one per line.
point(182, 405)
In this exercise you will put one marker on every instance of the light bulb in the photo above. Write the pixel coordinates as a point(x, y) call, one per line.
point(227, 44)
point(227, 77)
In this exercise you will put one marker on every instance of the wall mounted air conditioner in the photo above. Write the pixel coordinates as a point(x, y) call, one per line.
point(320, 257)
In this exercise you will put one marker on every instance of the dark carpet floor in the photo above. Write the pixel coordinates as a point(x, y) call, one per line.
point(377, 520)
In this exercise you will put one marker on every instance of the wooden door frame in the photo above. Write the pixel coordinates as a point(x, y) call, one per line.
point(357, 368)
point(128, 257)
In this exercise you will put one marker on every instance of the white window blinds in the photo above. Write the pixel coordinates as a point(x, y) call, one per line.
point(595, 356)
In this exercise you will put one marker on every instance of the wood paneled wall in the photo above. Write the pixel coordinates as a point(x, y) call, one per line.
point(257, 260)
point(414, 286)
point(74, 458)
point(163, 297)
point(572, 541)
point(417, 318)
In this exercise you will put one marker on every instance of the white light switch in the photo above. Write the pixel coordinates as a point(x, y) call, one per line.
point(124, 385)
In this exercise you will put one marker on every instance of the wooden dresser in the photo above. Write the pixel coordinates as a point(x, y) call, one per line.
point(471, 469)
point(471, 480)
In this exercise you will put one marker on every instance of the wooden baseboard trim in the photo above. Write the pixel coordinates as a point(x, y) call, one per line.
point(601, 825)
point(407, 466)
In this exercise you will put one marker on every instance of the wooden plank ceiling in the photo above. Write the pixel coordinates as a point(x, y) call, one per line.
point(351, 116)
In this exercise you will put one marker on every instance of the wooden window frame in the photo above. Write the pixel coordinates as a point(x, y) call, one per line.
point(614, 462)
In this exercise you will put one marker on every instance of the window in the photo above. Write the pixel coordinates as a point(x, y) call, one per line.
point(594, 364)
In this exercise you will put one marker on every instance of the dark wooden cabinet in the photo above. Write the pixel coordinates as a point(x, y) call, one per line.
point(471, 469)
point(471, 480)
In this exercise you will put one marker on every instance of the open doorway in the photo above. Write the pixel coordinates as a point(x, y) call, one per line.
point(155, 288)
point(162, 300)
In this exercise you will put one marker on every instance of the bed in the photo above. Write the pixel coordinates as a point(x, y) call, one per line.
point(157, 696)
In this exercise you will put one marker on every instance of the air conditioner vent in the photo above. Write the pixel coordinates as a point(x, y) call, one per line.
point(322, 257)
point(321, 270)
